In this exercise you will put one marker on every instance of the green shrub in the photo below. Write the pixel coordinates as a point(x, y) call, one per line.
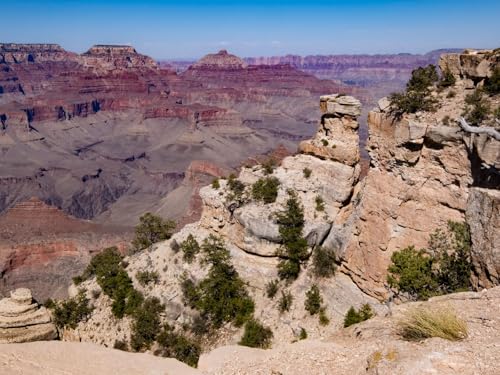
point(447, 80)
point(146, 324)
point(451, 94)
point(272, 288)
point(492, 84)
point(114, 281)
point(190, 293)
point(323, 262)
point(313, 300)
point(320, 204)
point(178, 346)
point(307, 172)
point(146, 277)
point(190, 248)
point(411, 272)
point(221, 297)
point(294, 247)
point(446, 120)
point(256, 335)
point(417, 95)
point(303, 334)
point(68, 313)
point(215, 183)
point(422, 78)
point(354, 316)
point(411, 102)
point(152, 229)
point(269, 165)
point(266, 189)
point(285, 302)
point(323, 319)
point(421, 323)
point(324, 142)
point(452, 254)
point(444, 268)
point(477, 108)
point(120, 345)
point(236, 186)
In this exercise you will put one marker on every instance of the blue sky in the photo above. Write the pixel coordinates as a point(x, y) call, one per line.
point(190, 29)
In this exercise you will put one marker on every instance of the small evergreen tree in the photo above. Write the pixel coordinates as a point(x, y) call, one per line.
point(152, 229)
point(266, 189)
point(256, 335)
point(190, 248)
point(313, 300)
point(354, 316)
point(294, 246)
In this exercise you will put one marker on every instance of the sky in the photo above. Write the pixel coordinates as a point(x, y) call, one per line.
point(189, 29)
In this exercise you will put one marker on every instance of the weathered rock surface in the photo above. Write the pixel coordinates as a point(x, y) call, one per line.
point(23, 320)
point(483, 216)
point(420, 177)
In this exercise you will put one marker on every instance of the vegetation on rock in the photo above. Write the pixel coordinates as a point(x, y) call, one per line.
point(293, 250)
point(221, 297)
point(146, 277)
point(323, 262)
point(175, 345)
point(190, 248)
point(256, 335)
point(285, 302)
point(266, 189)
point(68, 313)
point(307, 172)
point(422, 323)
point(492, 84)
point(444, 267)
point(313, 300)
point(146, 324)
point(215, 183)
point(477, 107)
point(152, 229)
point(320, 203)
point(417, 95)
point(354, 316)
point(272, 288)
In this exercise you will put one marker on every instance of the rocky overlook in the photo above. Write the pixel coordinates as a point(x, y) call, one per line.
point(421, 177)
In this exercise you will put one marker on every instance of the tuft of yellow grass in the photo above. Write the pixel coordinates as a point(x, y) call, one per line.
point(421, 323)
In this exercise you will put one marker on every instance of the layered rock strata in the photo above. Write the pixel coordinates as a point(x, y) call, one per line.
point(23, 320)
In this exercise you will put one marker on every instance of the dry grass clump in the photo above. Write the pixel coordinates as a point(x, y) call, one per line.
point(421, 323)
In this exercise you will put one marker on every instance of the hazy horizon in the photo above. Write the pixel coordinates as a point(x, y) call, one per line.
point(171, 30)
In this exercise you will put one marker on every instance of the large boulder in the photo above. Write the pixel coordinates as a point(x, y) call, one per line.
point(23, 320)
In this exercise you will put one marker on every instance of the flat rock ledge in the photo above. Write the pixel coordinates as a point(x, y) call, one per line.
point(23, 320)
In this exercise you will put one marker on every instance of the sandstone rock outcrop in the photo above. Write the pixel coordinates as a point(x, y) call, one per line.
point(483, 216)
point(420, 177)
point(23, 320)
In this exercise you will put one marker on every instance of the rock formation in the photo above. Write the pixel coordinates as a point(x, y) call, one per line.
point(420, 177)
point(23, 320)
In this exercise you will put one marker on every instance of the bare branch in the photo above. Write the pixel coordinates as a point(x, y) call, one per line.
point(479, 130)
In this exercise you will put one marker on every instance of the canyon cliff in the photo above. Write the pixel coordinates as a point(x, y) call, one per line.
point(423, 174)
